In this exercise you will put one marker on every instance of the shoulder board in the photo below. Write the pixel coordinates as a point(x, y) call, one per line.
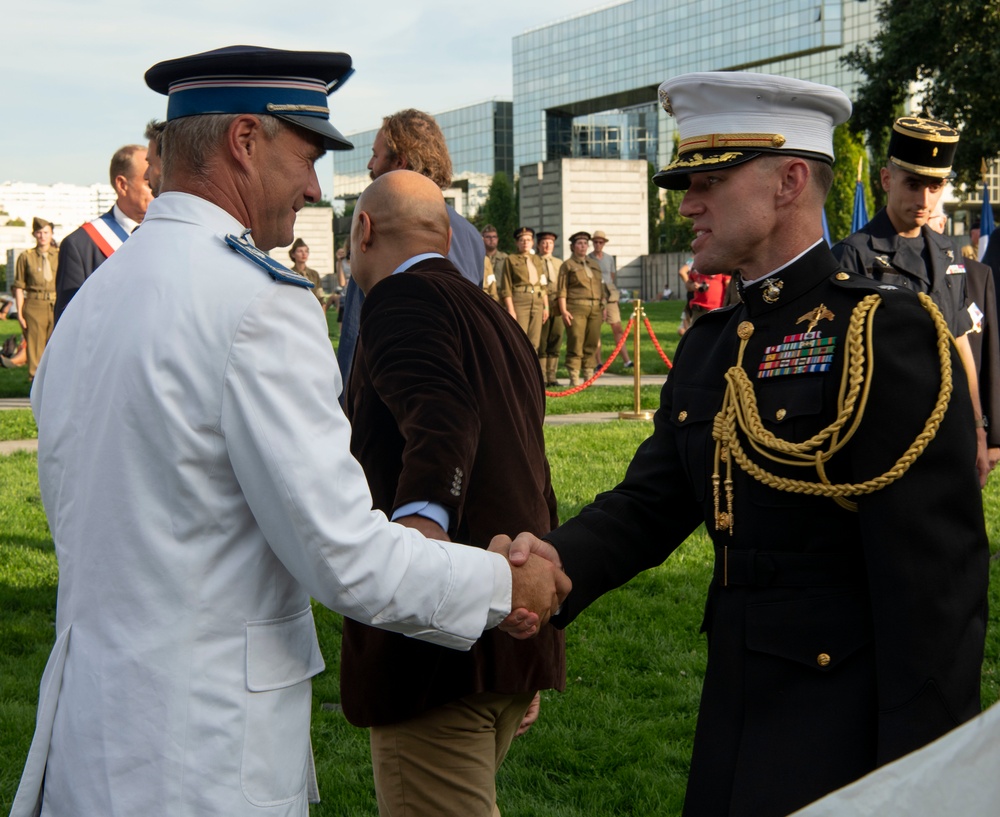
point(277, 271)
point(852, 280)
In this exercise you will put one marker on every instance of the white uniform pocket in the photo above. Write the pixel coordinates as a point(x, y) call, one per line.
point(282, 655)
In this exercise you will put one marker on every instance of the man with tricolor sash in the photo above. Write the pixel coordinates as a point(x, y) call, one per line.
point(86, 248)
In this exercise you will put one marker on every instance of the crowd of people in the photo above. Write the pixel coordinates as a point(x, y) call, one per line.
point(203, 485)
point(530, 285)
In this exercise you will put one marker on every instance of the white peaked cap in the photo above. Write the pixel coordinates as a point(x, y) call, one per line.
point(726, 118)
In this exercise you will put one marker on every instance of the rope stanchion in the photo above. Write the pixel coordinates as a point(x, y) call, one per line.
point(601, 370)
point(637, 413)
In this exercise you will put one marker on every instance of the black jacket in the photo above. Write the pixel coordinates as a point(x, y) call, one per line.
point(843, 639)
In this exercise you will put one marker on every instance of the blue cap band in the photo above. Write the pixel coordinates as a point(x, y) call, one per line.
point(257, 95)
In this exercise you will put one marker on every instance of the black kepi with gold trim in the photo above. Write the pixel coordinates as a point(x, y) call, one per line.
point(725, 118)
point(923, 146)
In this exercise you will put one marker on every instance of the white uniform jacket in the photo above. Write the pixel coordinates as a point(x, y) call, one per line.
point(195, 469)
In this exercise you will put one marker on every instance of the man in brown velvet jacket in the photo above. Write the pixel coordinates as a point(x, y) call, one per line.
point(446, 404)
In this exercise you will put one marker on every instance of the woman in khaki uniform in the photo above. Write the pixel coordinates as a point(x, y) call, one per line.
point(34, 291)
point(521, 290)
point(581, 303)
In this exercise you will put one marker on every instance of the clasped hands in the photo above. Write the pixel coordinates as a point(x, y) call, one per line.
point(538, 584)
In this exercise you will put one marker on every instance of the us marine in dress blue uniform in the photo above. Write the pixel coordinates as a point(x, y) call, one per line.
point(822, 431)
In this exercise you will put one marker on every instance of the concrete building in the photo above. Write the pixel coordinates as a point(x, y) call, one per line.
point(568, 195)
point(480, 142)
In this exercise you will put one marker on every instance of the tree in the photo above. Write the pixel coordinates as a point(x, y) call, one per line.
point(948, 52)
point(500, 210)
point(848, 148)
point(673, 232)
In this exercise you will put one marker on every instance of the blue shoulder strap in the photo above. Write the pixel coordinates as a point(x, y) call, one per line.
point(278, 272)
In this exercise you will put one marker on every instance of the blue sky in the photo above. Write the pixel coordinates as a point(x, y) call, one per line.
point(72, 87)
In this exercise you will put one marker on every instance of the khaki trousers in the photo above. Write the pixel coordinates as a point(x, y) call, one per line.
point(528, 308)
point(443, 763)
point(583, 334)
point(552, 333)
point(39, 316)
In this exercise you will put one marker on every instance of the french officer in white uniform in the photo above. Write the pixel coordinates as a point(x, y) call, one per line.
point(195, 471)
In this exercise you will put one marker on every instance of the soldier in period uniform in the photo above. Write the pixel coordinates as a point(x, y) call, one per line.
point(299, 253)
point(552, 329)
point(35, 291)
point(522, 288)
point(495, 257)
point(581, 304)
point(822, 430)
point(899, 247)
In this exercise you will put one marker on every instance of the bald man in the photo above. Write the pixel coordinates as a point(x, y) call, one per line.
point(446, 452)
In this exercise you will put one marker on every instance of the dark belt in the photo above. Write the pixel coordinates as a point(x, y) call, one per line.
point(755, 568)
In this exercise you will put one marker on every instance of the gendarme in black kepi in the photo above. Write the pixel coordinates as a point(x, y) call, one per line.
point(923, 146)
point(291, 85)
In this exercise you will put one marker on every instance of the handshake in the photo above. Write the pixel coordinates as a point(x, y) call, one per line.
point(538, 584)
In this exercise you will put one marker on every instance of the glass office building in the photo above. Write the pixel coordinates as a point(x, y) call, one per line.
point(586, 86)
point(480, 142)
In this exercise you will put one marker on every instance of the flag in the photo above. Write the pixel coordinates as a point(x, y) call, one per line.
point(986, 225)
point(859, 218)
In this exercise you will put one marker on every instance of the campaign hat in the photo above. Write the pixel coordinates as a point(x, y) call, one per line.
point(726, 118)
point(241, 79)
point(923, 146)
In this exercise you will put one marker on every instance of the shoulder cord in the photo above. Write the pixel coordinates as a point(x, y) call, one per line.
point(739, 413)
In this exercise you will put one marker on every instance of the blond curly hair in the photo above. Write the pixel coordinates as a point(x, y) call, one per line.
point(416, 137)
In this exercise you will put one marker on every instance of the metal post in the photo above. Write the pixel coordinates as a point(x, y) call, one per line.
point(638, 413)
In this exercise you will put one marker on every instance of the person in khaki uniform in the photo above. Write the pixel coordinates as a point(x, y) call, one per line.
point(495, 256)
point(522, 290)
point(581, 304)
point(490, 280)
point(35, 291)
point(299, 253)
point(552, 329)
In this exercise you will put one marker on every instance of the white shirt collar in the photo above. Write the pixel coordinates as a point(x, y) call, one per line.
point(127, 224)
point(416, 259)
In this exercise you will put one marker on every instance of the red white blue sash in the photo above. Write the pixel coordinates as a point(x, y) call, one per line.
point(106, 233)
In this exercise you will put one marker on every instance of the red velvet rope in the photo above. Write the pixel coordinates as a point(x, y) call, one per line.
point(602, 370)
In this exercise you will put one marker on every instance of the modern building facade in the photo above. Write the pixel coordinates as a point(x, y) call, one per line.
point(480, 141)
point(585, 87)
